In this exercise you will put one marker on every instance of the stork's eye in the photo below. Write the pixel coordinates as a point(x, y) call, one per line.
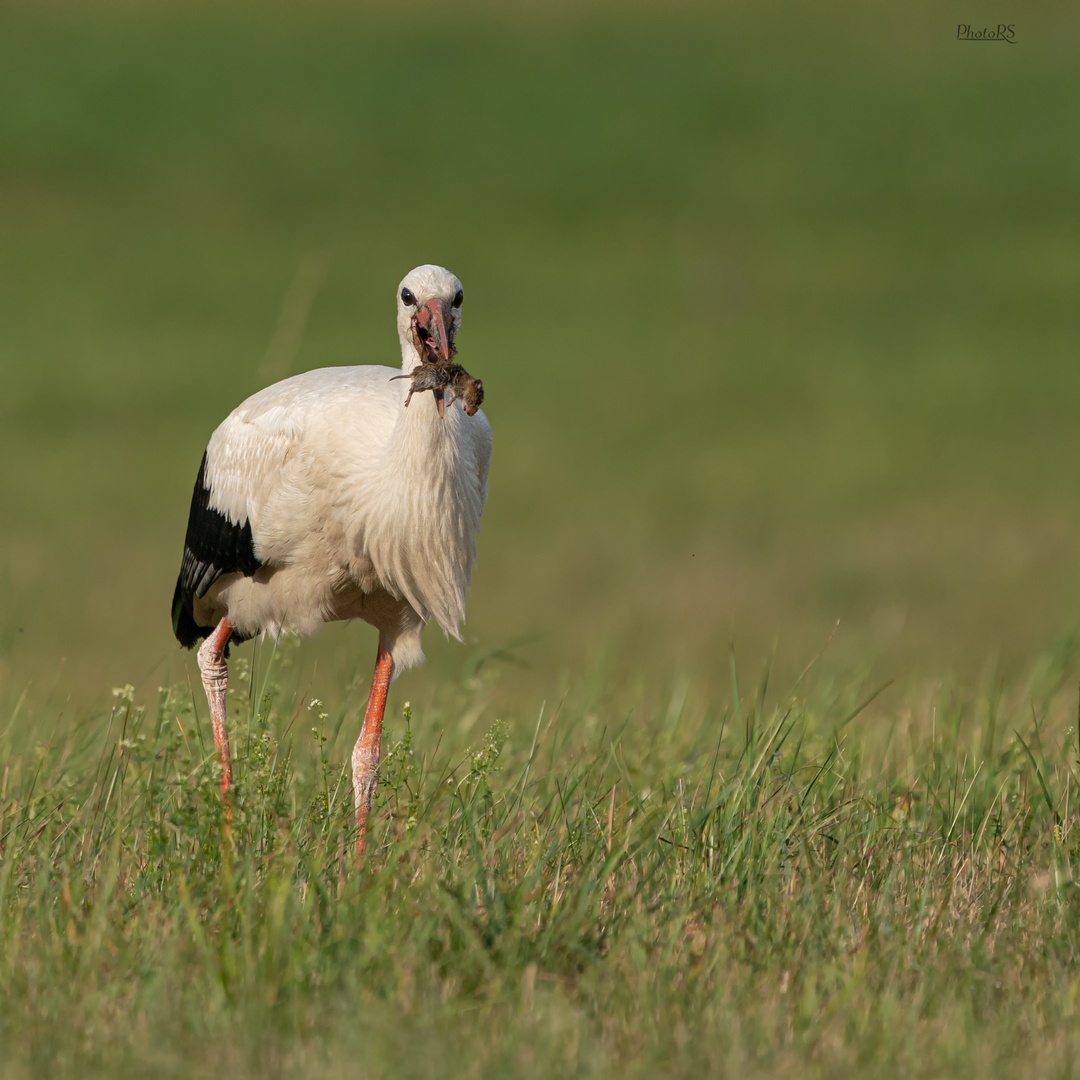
point(407, 297)
point(458, 297)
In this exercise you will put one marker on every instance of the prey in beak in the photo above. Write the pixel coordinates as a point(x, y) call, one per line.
point(447, 382)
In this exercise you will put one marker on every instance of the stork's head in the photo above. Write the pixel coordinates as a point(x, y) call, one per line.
point(429, 314)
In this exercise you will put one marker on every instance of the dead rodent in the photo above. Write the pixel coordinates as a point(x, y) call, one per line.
point(448, 382)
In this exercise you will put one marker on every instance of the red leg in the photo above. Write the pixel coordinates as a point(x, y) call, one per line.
point(215, 680)
point(365, 758)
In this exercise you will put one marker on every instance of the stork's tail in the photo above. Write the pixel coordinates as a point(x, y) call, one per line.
point(188, 632)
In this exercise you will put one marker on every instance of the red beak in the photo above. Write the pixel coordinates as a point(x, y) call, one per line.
point(432, 321)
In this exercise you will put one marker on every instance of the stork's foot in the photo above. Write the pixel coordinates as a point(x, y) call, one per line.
point(365, 758)
point(215, 680)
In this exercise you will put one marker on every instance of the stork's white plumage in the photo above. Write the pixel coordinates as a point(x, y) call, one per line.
point(323, 497)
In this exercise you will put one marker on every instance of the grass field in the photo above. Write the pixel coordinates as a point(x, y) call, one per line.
point(775, 310)
point(767, 888)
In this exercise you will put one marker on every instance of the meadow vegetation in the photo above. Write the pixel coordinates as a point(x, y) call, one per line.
point(775, 312)
point(773, 887)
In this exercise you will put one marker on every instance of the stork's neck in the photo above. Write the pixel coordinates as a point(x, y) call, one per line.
point(424, 443)
point(409, 356)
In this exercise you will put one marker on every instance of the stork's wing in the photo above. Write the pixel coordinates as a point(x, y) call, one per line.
point(240, 469)
point(213, 546)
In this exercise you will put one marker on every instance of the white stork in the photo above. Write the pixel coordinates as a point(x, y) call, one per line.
point(323, 497)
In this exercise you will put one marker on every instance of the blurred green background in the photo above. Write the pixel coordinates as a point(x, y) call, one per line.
point(775, 305)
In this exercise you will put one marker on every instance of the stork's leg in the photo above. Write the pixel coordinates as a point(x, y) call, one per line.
point(365, 756)
point(215, 680)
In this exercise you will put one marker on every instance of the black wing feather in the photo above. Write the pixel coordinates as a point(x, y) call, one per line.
point(213, 546)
